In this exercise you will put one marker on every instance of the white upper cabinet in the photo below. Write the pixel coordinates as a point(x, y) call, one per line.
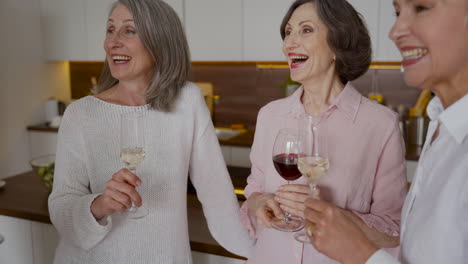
point(369, 9)
point(214, 29)
point(387, 49)
point(217, 30)
point(97, 12)
point(64, 30)
point(262, 21)
point(178, 6)
point(75, 29)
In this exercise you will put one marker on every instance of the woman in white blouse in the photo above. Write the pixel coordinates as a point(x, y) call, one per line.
point(432, 36)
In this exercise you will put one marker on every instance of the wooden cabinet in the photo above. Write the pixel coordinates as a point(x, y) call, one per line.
point(214, 29)
point(262, 20)
point(17, 246)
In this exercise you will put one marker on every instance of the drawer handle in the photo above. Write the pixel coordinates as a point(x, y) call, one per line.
point(1, 239)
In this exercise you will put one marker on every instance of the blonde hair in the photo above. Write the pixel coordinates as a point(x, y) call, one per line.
point(163, 36)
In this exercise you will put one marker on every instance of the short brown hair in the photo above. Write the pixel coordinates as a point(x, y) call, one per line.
point(347, 36)
point(163, 36)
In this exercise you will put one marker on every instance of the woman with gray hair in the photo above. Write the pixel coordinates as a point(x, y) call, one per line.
point(145, 73)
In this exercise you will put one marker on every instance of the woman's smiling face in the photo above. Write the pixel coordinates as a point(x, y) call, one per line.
point(305, 45)
point(127, 57)
point(432, 36)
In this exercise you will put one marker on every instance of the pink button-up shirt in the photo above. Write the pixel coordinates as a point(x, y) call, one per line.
point(366, 175)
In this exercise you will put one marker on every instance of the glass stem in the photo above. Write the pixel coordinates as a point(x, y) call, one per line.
point(287, 216)
point(313, 190)
point(133, 208)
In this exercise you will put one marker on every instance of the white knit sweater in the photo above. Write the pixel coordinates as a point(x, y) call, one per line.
point(177, 143)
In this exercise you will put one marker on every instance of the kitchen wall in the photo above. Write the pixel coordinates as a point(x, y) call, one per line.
point(244, 87)
point(26, 81)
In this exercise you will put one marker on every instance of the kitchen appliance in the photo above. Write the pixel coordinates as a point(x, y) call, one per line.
point(53, 111)
point(417, 130)
point(417, 124)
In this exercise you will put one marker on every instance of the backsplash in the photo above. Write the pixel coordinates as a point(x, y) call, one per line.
point(244, 87)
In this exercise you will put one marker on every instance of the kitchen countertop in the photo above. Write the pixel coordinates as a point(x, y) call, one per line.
point(241, 140)
point(25, 196)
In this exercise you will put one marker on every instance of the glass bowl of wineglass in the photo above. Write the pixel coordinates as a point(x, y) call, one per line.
point(285, 158)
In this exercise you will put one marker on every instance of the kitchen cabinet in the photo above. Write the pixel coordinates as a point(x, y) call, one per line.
point(236, 156)
point(214, 29)
point(45, 240)
point(387, 50)
point(42, 143)
point(370, 12)
point(63, 25)
point(178, 6)
point(262, 40)
point(217, 30)
point(17, 246)
point(74, 30)
point(240, 157)
point(96, 13)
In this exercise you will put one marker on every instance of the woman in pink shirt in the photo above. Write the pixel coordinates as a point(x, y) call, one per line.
point(327, 45)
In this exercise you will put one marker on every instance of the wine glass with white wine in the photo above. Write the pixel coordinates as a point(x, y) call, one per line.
point(132, 151)
point(313, 160)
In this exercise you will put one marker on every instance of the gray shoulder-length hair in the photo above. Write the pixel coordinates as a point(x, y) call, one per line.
point(163, 36)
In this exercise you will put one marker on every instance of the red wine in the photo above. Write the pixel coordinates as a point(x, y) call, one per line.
point(286, 166)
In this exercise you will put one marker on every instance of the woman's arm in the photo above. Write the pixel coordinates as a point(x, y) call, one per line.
point(382, 223)
point(70, 200)
point(215, 191)
point(380, 239)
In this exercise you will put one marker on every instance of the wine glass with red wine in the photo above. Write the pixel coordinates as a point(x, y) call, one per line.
point(285, 157)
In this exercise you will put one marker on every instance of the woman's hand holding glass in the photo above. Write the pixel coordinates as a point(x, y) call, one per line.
point(291, 198)
point(265, 208)
point(335, 234)
point(118, 195)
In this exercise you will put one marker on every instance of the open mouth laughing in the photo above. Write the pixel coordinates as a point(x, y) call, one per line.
point(412, 55)
point(121, 59)
point(297, 59)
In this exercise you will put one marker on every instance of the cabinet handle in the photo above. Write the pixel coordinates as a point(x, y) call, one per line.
point(1, 239)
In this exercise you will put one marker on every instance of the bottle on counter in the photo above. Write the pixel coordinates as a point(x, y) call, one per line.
point(375, 94)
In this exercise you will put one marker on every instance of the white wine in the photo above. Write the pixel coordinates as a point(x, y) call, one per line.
point(132, 156)
point(313, 167)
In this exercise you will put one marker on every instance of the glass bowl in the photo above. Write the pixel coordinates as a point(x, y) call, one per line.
point(44, 167)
